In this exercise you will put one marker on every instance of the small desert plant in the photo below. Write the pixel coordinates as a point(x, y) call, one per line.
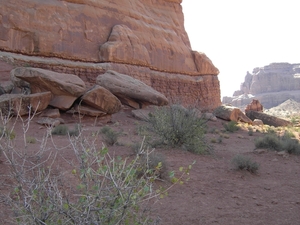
point(30, 139)
point(241, 162)
point(75, 131)
point(250, 131)
point(220, 139)
point(60, 130)
point(5, 132)
point(110, 136)
point(231, 126)
point(178, 126)
point(269, 141)
point(289, 144)
point(213, 140)
point(279, 143)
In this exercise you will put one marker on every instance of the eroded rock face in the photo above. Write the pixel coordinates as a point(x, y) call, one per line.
point(271, 85)
point(143, 39)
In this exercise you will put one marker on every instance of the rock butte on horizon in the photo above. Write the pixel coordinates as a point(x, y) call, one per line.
point(272, 85)
point(140, 38)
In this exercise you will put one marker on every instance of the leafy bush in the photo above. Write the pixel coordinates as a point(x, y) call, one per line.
point(94, 189)
point(109, 135)
point(241, 162)
point(231, 126)
point(60, 130)
point(178, 126)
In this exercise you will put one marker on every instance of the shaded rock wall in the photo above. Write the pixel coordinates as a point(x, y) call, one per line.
point(145, 35)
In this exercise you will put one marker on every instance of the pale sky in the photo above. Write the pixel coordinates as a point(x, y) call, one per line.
point(239, 35)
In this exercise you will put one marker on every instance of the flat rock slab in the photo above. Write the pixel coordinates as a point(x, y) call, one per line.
point(19, 104)
point(126, 87)
point(65, 88)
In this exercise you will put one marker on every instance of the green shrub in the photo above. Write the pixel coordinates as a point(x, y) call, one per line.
point(285, 143)
point(270, 141)
point(60, 130)
point(289, 144)
point(177, 126)
point(231, 126)
point(241, 162)
point(110, 136)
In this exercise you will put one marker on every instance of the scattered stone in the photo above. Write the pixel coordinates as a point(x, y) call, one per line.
point(51, 113)
point(257, 122)
point(50, 122)
point(142, 114)
point(260, 151)
point(87, 110)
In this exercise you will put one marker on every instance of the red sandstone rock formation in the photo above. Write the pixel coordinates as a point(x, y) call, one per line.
point(254, 106)
point(135, 37)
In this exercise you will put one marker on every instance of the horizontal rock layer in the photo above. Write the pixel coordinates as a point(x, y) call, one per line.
point(201, 91)
point(138, 32)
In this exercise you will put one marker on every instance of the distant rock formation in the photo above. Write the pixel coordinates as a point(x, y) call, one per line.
point(143, 39)
point(271, 85)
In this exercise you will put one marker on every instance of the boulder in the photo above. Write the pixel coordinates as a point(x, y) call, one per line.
point(268, 119)
point(100, 98)
point(50, 122)
point(65, 88)
point(126, 87)
point(19, 104)
point(231, 113)
point(257, 122)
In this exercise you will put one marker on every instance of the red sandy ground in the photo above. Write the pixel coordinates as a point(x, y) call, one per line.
point(215, 193)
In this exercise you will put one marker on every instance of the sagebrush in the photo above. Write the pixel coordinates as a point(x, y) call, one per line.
point(177, 126)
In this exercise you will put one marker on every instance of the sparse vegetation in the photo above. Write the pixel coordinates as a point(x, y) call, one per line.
point(60, 130)
point(30, 140)
point(95, 188)
point(110, 136)
point(181, 127)
point(279, 143)
point(231, 126)
point(241, 162)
